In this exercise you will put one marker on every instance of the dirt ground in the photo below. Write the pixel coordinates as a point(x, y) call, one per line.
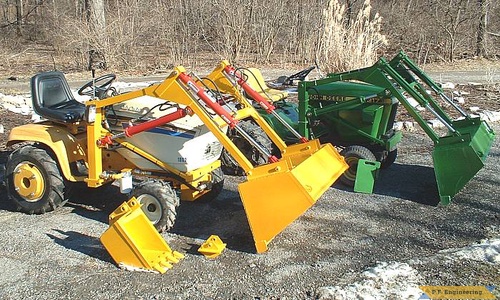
point(58, 255)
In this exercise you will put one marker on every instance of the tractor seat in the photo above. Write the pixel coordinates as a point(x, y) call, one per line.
point(256, 81)
point(53, 99)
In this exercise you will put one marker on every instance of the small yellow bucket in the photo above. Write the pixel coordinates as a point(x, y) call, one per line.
point(133, 241)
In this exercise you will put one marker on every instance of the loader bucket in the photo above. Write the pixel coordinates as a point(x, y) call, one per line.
point(276, 194)
point(458, 158)
point(132, 240)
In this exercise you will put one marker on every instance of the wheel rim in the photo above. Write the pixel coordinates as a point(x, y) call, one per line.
point(350, 173)
point(151, 207)
point(29, 181)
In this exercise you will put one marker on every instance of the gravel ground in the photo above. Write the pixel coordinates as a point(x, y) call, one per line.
point(58, 255)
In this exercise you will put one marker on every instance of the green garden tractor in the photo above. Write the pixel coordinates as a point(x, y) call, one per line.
point(356, 110)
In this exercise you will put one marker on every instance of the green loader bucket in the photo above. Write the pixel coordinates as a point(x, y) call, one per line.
point(458, 158)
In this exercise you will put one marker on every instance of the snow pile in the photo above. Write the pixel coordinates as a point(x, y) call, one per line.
point(490, 116)
point(18, 104)
point(397, 280)
point(487, 250)
point(392, 280)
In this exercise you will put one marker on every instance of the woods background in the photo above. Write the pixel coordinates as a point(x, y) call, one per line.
point(158, 34)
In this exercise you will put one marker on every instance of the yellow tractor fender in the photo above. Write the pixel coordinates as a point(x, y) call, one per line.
point(65, 146)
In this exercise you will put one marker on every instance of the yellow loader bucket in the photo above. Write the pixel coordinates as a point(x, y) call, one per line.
point(276, 194)
point(132, 240)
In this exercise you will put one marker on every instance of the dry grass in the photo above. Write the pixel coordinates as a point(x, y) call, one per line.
point(344, 45)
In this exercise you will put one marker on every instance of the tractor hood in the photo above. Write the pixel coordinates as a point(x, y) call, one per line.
point(346, 89)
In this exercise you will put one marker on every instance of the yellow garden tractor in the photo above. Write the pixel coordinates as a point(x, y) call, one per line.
point(162, 143)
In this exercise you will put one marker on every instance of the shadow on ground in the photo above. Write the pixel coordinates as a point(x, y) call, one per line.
point(82, 243)
point(408, 182)
point(200, 220)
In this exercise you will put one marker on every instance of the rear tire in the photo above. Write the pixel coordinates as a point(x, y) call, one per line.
point(34, 183)
point(159, 203)
point(352, 155)
point(229, 164)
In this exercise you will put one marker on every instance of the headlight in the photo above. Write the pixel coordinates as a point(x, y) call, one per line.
point(90, 112)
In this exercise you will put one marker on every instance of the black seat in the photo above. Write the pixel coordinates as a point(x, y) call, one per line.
point(53, 100)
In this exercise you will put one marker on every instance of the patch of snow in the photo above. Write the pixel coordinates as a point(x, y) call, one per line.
point(460, 99)
point(448, 85)
point(396, 280)
point(487, 250)
point(409, 126)
point(2, 130)
point(398, 126)
point(491, 116)
point(123, 87)
point(435, 123)
point(391, 280)
point(474, 108)
point(412, 102)
point(80, 98)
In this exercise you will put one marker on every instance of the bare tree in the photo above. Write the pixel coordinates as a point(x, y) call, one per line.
point(481, 28)
point(19, 16)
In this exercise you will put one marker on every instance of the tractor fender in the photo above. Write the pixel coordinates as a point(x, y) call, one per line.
point(65, 146)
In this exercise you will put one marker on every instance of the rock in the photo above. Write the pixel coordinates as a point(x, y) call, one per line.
point(1, 129)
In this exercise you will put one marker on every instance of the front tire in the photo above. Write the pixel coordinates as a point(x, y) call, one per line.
point(352, 155)
point(34, 183)
point(159, 203)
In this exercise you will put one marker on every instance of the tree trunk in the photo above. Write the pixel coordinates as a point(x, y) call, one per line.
point(97, 21)
point(19, 16)
point(481, 28)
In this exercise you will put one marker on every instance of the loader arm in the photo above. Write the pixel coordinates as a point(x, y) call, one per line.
point(274, 194)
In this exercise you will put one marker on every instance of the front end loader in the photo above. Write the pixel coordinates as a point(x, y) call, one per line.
point(460, 152)
point(160, 152)
point(356, 110)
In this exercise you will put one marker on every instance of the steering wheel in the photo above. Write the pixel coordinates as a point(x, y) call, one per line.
point(97, 87)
